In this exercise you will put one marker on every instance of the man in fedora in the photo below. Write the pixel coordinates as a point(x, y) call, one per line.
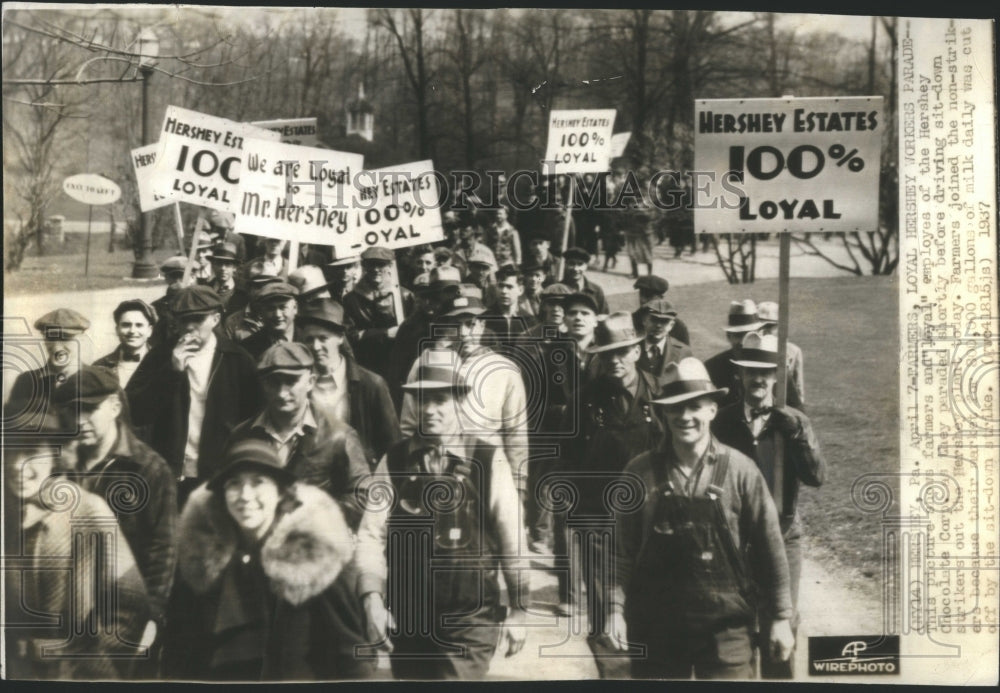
point(225, 258)
point(742, 319)
point(371, 309)
point(445, 592)
point(659, 348)
point(135, 321)
point(310, 442)
point(192, 391)
point(220, 227)
point(442, 283)
point(202, 270)
point(616, 422)
point(774, 438)
point(345, 390)
point(111, 462)
point(311, 285)
point(277, 307)
point(577, 262)
point(342, 274)
point(705, 538)
point(767, 311)
point(31, 394)
point(497, 410)
point(650, 288)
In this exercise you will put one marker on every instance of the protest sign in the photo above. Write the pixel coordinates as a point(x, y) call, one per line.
point(297, 193)
point(92, 189)
point(579, 141)
point(798, 164)
point(618, 144)
point(397, 206)
point(143, 162)
point(198, 160)
point(302, 131)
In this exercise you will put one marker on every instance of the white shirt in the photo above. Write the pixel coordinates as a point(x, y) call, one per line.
point(662, 345)
point(125, 369)
point(199, 371)
point(756, 425)
point(330, 392)
point(284, 445)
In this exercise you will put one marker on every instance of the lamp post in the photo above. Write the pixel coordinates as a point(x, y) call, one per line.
point(149, 51)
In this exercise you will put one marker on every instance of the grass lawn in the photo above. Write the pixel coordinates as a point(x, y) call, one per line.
point(847, 328)
point(61, 269)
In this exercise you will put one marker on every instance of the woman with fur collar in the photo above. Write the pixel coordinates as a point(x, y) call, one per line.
point(265, 580)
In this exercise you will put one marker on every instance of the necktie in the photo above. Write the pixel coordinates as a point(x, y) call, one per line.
point(134, 357)
point(654, 353)
point(758, 412)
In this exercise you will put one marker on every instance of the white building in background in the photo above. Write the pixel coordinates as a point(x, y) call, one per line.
point(361, 116)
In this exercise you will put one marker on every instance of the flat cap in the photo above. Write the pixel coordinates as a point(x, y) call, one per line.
point(325, 312)
point(482, 256)
point(462, 305)
point(377, 254)
point(223, 252)
point(136, 304)
point(555, 292)
point(577, 254)
point(585, 299)
point(177, 263)
point(92, 385)
point(276, 290)
point(659, 308)
point(652, 283)
point(62, 322)
point(195, 300)
point(286, 357)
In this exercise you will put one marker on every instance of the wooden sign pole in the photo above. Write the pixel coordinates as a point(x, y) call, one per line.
point(782, 384)
point(293, 256)
point(180, 227)
point(569, 220)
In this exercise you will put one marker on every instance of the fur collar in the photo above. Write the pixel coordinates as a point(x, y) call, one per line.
point(304, 553)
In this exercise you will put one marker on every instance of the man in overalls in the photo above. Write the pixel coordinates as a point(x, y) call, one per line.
point(700, 550)
point(442, 519)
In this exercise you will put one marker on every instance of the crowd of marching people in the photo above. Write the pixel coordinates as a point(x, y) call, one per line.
point(288, 474)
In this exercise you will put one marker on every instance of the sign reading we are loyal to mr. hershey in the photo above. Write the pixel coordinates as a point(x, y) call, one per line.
point(772, 165)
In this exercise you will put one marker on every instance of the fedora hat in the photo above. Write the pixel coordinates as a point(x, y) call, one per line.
point(767, 312)
point(310, 282)
point(438, 375)
point(325, 312)
point(758, 351)
point(462, 305)
point(614, 332)
point(743, 317)
point(223, 252)
point(687, 379)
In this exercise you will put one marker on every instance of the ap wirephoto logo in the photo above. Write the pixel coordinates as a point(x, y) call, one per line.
point(854, 655)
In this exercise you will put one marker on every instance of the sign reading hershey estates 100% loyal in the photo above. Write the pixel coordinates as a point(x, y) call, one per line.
point(297, 193)
point(199, 158)
point(397, 206)
point(790, 164)
point(579, 141)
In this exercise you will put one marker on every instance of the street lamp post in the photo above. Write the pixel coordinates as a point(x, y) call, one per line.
point(149, 51)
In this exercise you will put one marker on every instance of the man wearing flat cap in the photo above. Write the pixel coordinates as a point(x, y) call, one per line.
point(246, 321)
point(225, 258)
point(31, 394)
point(345, 390)
point(777, 439)
point(135, 321)
point(316, 447)
point(276, 305)
point(192, 391)
point(742, 319)
point(165, 329)
point(577, 262)
point(371, 310)
point(470, 246)
point(220, 227)
point(135, 482)
point(704, 540)
point(616, 422)
point(650, 288)
point(444, 590)
point(659, 348)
